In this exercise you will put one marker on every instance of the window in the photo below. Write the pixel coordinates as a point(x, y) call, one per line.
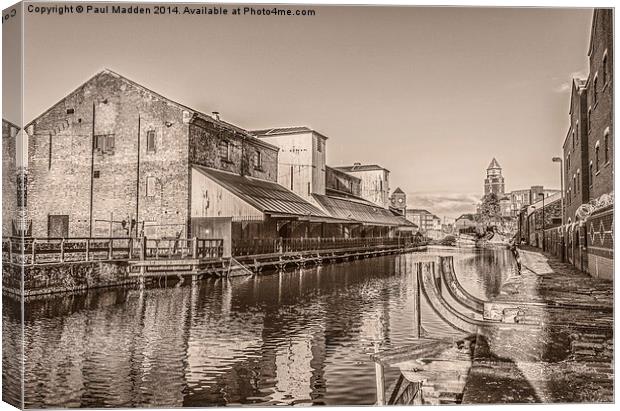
point(109, 143)
point(605, 69)
point(258, 159)
point(150, 186)
point(594, 90)
point(150, 141)
point(590, 174)
point(589, 119)
point(70, 111)
point(319, 145)
point(578, 180)
point(575, 183)
point(99, 143)
point(96, 174)
point(224, 150)
point(606, 142)
point(577, 131)
point(104, 143)
point(596, 158)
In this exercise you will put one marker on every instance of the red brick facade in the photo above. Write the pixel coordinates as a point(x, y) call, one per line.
point(600, 103)
point(114, 150)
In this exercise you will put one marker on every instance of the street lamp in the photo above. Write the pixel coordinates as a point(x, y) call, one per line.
point(543, 219)
point(559, 160)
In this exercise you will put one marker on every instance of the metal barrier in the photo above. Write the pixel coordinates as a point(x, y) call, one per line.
point(286, 245)
point(31, 251)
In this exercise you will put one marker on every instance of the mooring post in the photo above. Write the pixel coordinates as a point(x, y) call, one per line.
point(380, 380)
point(195, 247)
point(417, 305)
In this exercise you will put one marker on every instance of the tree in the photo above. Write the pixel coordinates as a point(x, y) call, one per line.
point(490, 211)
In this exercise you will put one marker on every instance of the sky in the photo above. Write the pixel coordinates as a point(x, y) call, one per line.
point(432, 94)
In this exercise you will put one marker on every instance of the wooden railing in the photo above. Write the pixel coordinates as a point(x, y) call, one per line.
point(30, 251)
point(284, 245)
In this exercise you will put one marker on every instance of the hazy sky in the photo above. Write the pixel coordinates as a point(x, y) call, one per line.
point(432, 94)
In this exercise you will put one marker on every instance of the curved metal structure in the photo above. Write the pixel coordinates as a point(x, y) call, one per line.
point(429, 287)
point(455, 289)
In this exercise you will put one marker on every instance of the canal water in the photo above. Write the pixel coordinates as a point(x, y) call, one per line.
point(301, 337)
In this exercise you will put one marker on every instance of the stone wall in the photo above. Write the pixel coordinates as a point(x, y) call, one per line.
point(64, 277)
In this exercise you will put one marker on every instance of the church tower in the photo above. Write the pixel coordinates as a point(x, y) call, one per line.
point(494, 183)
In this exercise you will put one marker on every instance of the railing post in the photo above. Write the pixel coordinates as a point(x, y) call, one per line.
point(143, 249)
point(62, 250)
point(33, 252)
point(87, 249)
point(195, 247)
point(110, 249)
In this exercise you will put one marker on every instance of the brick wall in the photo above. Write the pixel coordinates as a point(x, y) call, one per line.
point(600, 103)
point(204, 148)
point(576, 181)
point(60, 147)
point(600, 243)
point(9, 177)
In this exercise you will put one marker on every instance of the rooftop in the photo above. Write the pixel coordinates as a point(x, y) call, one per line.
point(494, 164)
point(266, 196)
point(277, 131)
point(360, 167)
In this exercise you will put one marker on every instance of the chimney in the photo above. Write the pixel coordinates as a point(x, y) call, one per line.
point(216, 114)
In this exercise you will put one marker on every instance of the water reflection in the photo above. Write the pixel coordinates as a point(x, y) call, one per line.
point(289, 338)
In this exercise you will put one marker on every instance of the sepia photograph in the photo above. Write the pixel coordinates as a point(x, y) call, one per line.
point(297, 204)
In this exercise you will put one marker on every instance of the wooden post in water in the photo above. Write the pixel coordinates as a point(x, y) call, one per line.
point(195, 247)
point(417, 312)
point(380, 380)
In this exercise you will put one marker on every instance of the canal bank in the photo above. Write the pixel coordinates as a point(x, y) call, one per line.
point(569, 358)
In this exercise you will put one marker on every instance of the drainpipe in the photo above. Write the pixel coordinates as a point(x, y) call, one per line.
point(92, 172)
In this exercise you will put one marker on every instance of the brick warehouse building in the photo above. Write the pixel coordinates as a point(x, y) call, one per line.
point(588, 159)
point(113, 153)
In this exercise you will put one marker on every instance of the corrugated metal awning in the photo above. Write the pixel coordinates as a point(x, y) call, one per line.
point(266, 196)
point(359, 210)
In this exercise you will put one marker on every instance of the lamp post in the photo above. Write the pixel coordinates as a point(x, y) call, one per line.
point(543, 219)
point(559, 160)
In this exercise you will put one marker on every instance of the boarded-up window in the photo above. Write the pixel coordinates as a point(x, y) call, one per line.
point(104, 143)
point(150, 186)
point(150, 141)
point(258, 159)
point(224, 148)
point(58, 226)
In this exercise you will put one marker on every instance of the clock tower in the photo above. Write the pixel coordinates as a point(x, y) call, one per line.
point(494, 183)
point(398, 200)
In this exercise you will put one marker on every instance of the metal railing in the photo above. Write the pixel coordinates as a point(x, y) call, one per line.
point(285, 245)
point(31, 251)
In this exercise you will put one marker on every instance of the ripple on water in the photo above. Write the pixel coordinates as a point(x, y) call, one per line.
point(292, 338)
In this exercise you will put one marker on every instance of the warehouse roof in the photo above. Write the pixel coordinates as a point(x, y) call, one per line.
point(266, 196)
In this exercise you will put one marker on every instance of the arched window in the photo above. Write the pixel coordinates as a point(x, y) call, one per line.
point(606, 146)
point(597, 156)
point(594, 90)
point(590, 174)
point(605, 68)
